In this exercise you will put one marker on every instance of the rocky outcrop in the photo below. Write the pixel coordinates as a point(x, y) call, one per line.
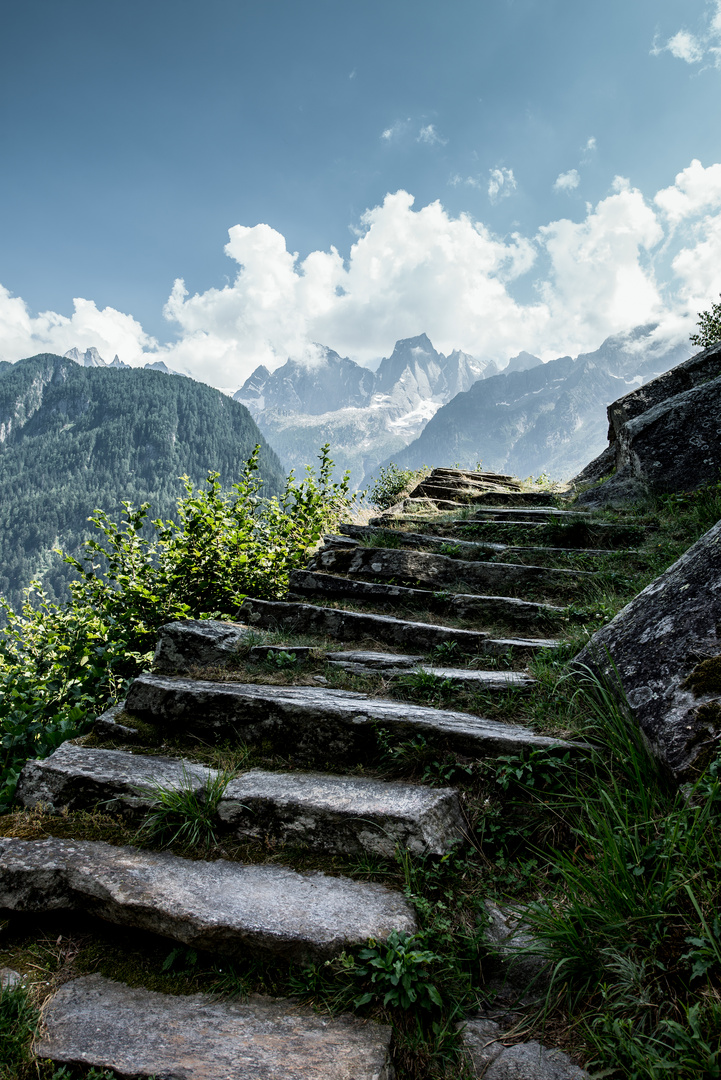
point(663, 437)
point(95, 1021)
point(662, 652)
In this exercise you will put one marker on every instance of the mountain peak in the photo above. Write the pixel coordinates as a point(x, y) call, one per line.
point(90, 358)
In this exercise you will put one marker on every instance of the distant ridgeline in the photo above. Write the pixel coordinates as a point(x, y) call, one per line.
point(73, 439)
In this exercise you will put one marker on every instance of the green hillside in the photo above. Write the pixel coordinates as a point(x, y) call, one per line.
point(74, 439)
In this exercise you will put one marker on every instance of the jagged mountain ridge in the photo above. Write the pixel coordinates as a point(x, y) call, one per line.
point(363, 414)
point(545, 418)
point(73, 439)
point(91, 358)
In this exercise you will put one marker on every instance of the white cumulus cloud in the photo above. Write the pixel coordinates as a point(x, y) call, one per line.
point(693, 48)
point(23, 334)
point(501, 183)
point(626, 260)
point(567, 181)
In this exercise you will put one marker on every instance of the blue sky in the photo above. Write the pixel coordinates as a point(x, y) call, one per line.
point(135, 135)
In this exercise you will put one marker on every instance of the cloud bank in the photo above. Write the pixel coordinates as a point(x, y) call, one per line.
point(630, 260)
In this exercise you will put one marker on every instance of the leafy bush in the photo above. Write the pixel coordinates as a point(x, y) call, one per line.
point(709, 327)
point(61, 664)
point(391, 483)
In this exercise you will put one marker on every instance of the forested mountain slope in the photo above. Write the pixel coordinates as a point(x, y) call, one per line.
point(73, 439)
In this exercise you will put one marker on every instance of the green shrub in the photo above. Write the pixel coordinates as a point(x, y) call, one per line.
point(60, 665)
point(391, 483)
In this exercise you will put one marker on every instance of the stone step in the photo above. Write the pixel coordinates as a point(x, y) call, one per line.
point(94, 1021)
point(525, 514)
point(438, 571)
point(292, 617)
point(351, 534)
point(312, 724)
point(222, 907)
point(392, 665)
point(334, 814)
point(469, 474)
point(459, 490)
point(189, 643)
point(341, 625)
point(505, 609)
point(81, 778)
point(344, 815)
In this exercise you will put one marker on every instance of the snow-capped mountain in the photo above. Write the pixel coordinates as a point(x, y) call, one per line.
point(92, 358)
point(363, 414)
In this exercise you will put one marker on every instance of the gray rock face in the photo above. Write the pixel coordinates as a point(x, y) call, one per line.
point(462, 605)
point(78, 778)
point(342, 813)
point(664, 436)
point(357, 625)
point(701, 368)
point(675, 445)
point(435, 570)
point(487, 1056)
point(135, 1032)
point(219, 906)
point(666, 648)
point(316, 725)
point(198, 643)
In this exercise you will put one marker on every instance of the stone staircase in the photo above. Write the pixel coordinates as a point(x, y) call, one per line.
point(360, 587)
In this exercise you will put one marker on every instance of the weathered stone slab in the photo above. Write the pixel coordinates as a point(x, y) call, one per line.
point(219, 906)
point(526, 514)
point(9, 978)
point(394, 664)
point(470, 547)
point(482, 1043)
point(358, 625)
point(345, 814)
point(94, 1021)
point(440, 571)
point(413, 539)
point(519, 646)
point(460, 605)
point(663, 652)
point(76, 777)
point(314, 724)
point(198, 643)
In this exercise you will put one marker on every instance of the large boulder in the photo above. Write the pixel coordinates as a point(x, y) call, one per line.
point(662, 652)
point(664, 436)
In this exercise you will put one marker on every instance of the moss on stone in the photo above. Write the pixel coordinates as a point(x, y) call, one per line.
point(705, 677)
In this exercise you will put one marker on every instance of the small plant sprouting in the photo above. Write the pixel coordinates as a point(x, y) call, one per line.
point(399, 973)
point(184, 814)
point(281, 659)
point(446, 650)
